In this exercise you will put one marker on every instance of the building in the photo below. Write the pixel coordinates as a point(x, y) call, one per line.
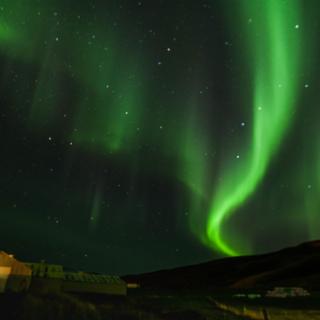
point(15, 276)
point(285, 292)
point(53, 278)
point(42, 277)
point(81, 282)
point(46, 277)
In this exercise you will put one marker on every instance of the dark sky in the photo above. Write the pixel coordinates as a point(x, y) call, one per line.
point(142, 135)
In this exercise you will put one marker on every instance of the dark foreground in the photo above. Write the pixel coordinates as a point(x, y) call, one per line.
point(150, 306)
point(138, 307)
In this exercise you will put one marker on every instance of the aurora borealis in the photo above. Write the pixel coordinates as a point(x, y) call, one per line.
point(274, 97)
point(138, 136)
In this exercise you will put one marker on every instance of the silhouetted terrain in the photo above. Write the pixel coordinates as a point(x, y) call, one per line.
point(295, 266)
point(198, 292)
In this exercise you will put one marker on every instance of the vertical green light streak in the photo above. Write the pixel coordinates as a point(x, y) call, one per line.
point(6, 33)
point(274, 35)
point(194, 154)
point(96, 210)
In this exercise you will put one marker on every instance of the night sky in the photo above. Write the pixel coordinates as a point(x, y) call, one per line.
point(142, 135)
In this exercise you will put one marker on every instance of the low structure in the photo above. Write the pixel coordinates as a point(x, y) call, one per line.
point(285, 292)
point(82, 282)
point(42, 277)
point(15, 276)
point(46, 277)
point(52, 278)
point(248, 295)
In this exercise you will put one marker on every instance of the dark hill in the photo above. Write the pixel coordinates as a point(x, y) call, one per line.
point(294, 266)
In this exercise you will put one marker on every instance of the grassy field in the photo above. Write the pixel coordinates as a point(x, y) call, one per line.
point(141, 305)
point(134, 307)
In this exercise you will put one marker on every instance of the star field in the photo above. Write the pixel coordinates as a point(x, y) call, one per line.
point(141, 135)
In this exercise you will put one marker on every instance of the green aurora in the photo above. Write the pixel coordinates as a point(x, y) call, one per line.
point(94, 88)
point(275, 43)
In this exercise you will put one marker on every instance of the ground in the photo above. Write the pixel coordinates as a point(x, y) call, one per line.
point(143, 305)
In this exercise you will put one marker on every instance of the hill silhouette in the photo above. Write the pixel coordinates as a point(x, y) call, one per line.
point(293, 266)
